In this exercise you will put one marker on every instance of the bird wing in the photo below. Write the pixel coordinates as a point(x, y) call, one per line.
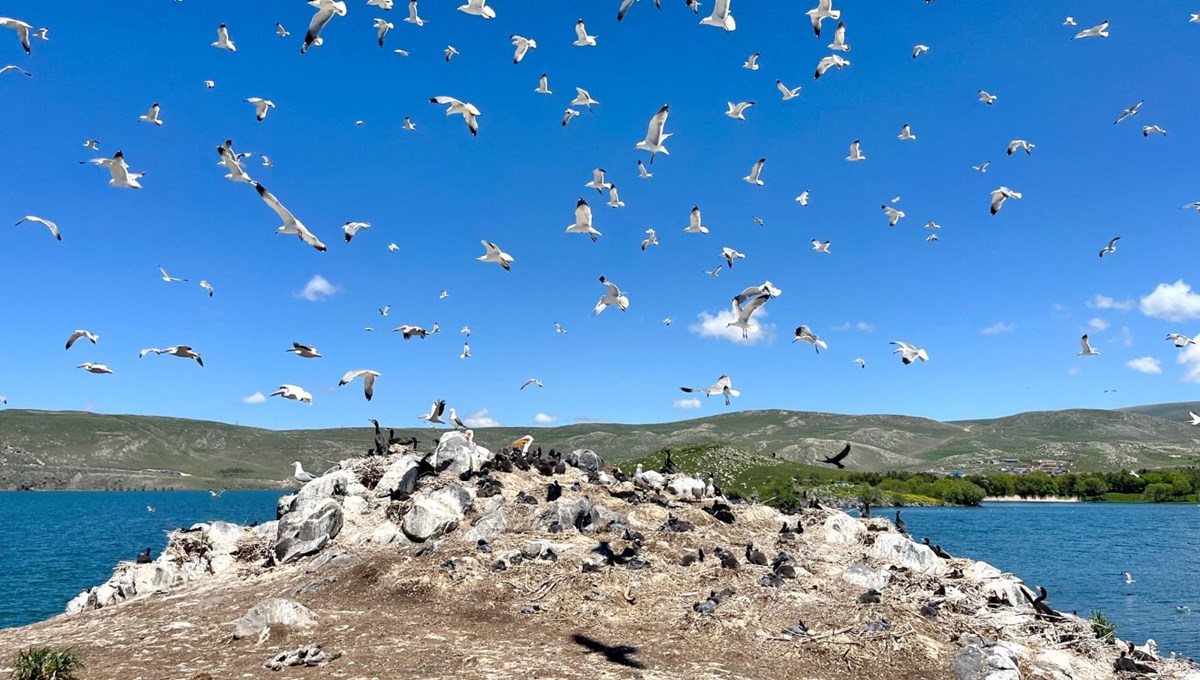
point(273, 203)
point(625, 5)
point(439, 407)
point(583, 214)
point(654, 134)
point(841, 455)
point(581, 31)
point(1083, 342)
point(744, 313)
point(318, 22)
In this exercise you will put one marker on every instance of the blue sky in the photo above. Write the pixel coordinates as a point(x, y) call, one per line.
point(1029, 274)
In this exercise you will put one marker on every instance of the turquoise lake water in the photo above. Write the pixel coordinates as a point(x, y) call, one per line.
point(55, 544)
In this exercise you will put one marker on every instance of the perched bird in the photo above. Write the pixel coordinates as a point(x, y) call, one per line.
point(893, 214)
point(908, 353)
point(1087, 348)
point(804, 334)
point(788, 93)
point(694, 225)
point(906, 134)
point(1098, 31)
point(53, 227)
point(918, 50)
point(465, 109)
point(612, 297)
point(291, 225)
point(1111, 247)
point(523, 46)
point(720, 17)
point(350, 229)
point(543, 85)
point(730, 255)
point(1131, 111)
point(90, 336)
point(412, 17)
point(755, 171)
point(839, 38)
point(326, 9)
point(435, 413)
point(494, 254)
point(151, 116)
point(829, 62)
point(304, 351)
point(986, 98)
point(382, 26)
point(836, 461)
point(181, 351)
point(532, 381)
point(583, 221)
point(655, 137)
point(455, 421)
point(300, 475)
point(856, 153)
point(1020, 144)
point(723, 386)
point(737, 111)
point(752, 61)
point(368, 379)
point(582, 39)
point(223, 42)
point(824, 10)
point(820, 247)
point(99, 369)
point(1000, 195)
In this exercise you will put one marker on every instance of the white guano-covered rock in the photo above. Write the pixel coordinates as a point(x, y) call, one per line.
point(842, 528)
point(902, 552)
point(276, 611)
point(436, 513)
point(462, 453)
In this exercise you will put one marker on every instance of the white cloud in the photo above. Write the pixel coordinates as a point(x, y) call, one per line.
point(1097, 324)
point(1074, 370)
point(544, 419)
point(1104, 302)
point(317, 289)
point(1172, 301)
point(711, 326)
point(480, 418)
point(865, 327)
point(1145, 365)
point(1190, 358)
point(256, 398)
point(686, 404)
point(998, 328)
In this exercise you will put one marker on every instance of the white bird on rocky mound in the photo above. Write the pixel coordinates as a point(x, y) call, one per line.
point(181, 351)
point(543, 85)
point(523, 46)
point(494, 254)
point(304, 351)
point(325, 11)
point(1195, 417)
point(42, 221)
point(1180, 340)
point(829, 62)
point(223, 42)
point(435, 413)
point(22, 29)
point(293, 392)
point(465, 109)
point(1087, 348)
point(612, 297)
point(583, 221)
point(648, 479)
point(532, 381)
point(655, 137)
point(743, 314)
point(582, 39)
point(908, 353)
point(261, 106)
point(723, 386)
point(455, 421)
point(95, 368)
point(1000, 195)
point(856, 153)
point(119, 169)
point(368, 378)
point(1098, 31)
point(737, 111)
point(720, 17)
point(291, 225)
point(91, 337)
point(413, 18)
point(839, 38)
point(300, 475)
point(804, 334)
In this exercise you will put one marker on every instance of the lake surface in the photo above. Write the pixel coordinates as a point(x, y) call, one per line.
point(56, 544)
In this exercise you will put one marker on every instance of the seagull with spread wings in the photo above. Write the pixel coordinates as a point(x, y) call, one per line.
point(612, 297)
point(723, 386)
point(42, 221)
point(181, 351)
point(368, 378)
point(583, 221)
point(325, 11)
point(655, 137)
point(291, 225)
point(465, 109)
point(494, 254)
point(90, 336)
point(742, 314)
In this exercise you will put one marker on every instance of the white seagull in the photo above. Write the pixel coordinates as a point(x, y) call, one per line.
point(22, 29)
point(98, 369)
point(788, 93)
point(383, 311)
point(643, 173)
point(280, 30)
point(612, 296)
point(856, 153)
point(982, 167)
point(92, 144)
point(223, 42)
point(466, 109)
point(752, 61)
point(730, 255)
point(1098, 31)
point(325, 11)
point(368, 378)
point(167, 278)
point(824, 10)
point(408, 124)
point(450, 53)
point(543, 85)
point(119, 169)
point(655, 137)
point(582, 39)
point(1087, 348)
point(478, 8)
point(583, 98)
point(261, 106)
point(1020, 144)
point(583, 221)
point(382, 26)
point(532, 381)
point(1180, 340)
point(861, 363)
point(820, 247)
point(694, 225)
point(151, 116)
point(839, 38)
point(908, 353)
point(723, 386)
point(720, 17)
point(293, 392)
point(298, 473)
point(412, 17)
point(435, 413)
point(42, 221)
point(1000, 195)
point(893, 214)
point(614, 200)
point(767, 288)
point(291, 225)
point(494, 254)
point(1131, 111)
point(755, 171)
point(932, 225)
point(651, 240)
point(829, 62)
point(1195, 417)
point(454, 419)
point(1148, 129)
point(598, 182)
point(466, 352)
point(210, 84)
point(906, 134)
point(1111, 247)
point(557, 328)
point(523, 46)
point(568, 115)
point(181, 351)
point(986, 98)
point(918, 50)
point(18, 69)
point(1069, 21)
point(304, 351)
point(743, 314)
point(90, 336)
point(802, 199)
point(804, 334)
point(350, 229)
point(737, 111)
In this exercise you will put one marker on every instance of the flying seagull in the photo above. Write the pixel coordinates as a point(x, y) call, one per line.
point(802, 199)
point(1020, 144)
point(1087, 348)
point(494, 254)
point(737, 111)
point(1131, 111)
point(788, 93)
point(612, 296)
point(557, 328)
point(856, 153)
point(1147, 130)
point(523, 46)
point(325, 11)
point(412, 14)
point(598, 182)
point(382, 26)
point(18, 69)
point(836, 461)
point(466, 109)
point(119, 169)
point(918, 50)
point(908, 353)
point(650, 240)
point(986, 98)
point(742, 314)
point(824, 10)
point(350, 229)
point(293, 392)
point(368, 378)
point(1098, 31)
point(22, 29)
point(982, 167)
point(583, 221)
point(223, 42)
point(466, 351)
point(751, 62)
point(450, 52)
point(291, 225)
point(543, 85)
point(280, 30)
point(42, 221)
point(755, 171)
point(626, 4)
point(643, 173)
point(261, 106)
point(208, 287)
point(1111, 247)
point(582, 39)
point(1000, 195)
point(723, 386)
point(614, 199)
point(1180, 340)
point(435, 413)
point(583, 98)
point(655, 137)
point(767, 288)
point(1195, 417)
point(804, 334)
point(304, 351)
point(532, 381)
point(906, 134)
point(730, 255)
point(167, 277)
point(478, 8)
point(694, 225)
point(181, 351)
point(829, 62)
point(820, 247)
point(893, 214)
point(839, 38)
point(91, 337)
point(98, 369)
point(861, 363)
point(720, 17)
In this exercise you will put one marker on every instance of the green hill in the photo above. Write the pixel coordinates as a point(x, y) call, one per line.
point(67, 449)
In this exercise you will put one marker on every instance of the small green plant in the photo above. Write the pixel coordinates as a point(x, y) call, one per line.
point(1104, 627)
point(46, 663)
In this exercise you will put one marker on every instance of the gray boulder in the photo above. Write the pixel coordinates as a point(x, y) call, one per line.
point(327, 486)
point(487, 527)
point(902, 552)
point(462, 454)
point(401, 474)
point(333, 560)
point(864, 576)
point(276, 611)
point(307, 528)
point(436, 513)
point(585, 459)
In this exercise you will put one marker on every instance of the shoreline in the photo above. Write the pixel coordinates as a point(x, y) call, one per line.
point(1018, 499)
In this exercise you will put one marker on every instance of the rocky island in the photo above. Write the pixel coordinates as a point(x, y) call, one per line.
point(463, 562)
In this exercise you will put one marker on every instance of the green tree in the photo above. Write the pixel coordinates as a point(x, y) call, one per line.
point(1181, 487)
point(1036, 484)
point(1158, 493)
point(1090, 486)
point(1001, 484)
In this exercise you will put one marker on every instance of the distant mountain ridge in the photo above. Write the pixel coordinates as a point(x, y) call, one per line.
point(81, 450)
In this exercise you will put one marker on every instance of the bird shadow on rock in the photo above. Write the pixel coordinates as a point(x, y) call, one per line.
point(618, 654)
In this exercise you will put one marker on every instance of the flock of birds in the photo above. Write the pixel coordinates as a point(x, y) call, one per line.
point(743, 306)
